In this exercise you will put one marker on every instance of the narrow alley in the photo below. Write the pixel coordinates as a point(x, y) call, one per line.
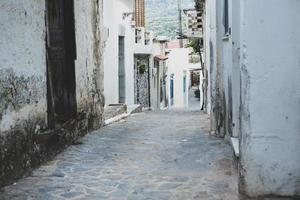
point(152, 155)
point(149, 99)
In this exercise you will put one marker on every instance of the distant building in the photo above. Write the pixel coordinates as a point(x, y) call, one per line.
point(159, 73)
point(182, 69)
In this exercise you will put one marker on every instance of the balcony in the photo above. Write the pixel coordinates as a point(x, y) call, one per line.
point(143, 41)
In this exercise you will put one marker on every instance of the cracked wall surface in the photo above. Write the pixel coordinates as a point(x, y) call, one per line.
point(25, 139)
point(254, 73)
point(22, 62)
point(270, 120)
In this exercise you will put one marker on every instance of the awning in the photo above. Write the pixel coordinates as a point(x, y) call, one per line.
point(161, 57)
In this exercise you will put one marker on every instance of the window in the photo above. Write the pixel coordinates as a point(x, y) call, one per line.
point(226, 17)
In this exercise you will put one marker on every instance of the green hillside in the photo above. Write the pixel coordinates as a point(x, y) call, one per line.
point(162, 16)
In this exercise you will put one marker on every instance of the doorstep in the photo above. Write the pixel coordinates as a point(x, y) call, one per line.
point(130, 109)
point(235, 145)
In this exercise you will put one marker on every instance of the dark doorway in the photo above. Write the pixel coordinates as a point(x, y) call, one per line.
point(172, 89)
point(122, 86)
point(61, 55)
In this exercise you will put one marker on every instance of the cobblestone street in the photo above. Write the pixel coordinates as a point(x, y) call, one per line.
point(151, 155)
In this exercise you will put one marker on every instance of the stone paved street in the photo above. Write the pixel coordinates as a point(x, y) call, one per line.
point(151, 155)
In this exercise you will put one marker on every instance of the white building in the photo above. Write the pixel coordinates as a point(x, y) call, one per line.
point(119, 51)
point(253, 54)
point(179, 70)
point(143, 65)
point(158, 60)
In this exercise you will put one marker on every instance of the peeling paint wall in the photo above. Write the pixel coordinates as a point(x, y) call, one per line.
point(25, 140)
point(22, 63)
point(22, 82)
point(254, 76)
point(270, 119)
point(236, 71)
point(216, 52)
point(89, 67)
point(209, 29)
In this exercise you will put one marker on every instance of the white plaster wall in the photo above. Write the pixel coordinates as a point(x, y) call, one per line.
point(129, 62)
point(84, 64)
point(270, 161)
point(153, 93)
point(214, 35)
point(226, 70)
point(235, 20)
point(178, 64)
point(113, 20)
point(22, 41)
point(227, 81)
point(110, 54)
point(156, 50)
point(22, 52)
point(140, 47)
point(200, 88)
point(207, 34)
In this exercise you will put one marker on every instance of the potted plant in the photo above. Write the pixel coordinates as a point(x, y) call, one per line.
point(142, 69)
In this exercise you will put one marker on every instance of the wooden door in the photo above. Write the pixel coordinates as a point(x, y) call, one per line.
point(61, 55)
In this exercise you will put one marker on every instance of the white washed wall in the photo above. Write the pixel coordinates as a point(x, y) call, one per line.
point(113, 20)
point(270, 126)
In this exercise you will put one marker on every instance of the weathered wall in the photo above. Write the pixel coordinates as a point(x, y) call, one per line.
point(227, 86)
point(22, 83)
point(236, 72)
point(208, 28)
point(231, 71)
point(22, 63)
point(216, 46)
point(222, 57)
point(270, 94)
point(158, 68)
point(25, 140)
point(89, 68)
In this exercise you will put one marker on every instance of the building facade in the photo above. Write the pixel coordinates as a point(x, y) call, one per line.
point(158, 91)
point(119, 40)
point(143, 57)
point(51, 89)
point(179, 85)
point(252, 54)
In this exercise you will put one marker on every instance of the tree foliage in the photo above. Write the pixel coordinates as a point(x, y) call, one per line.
point(195, 44)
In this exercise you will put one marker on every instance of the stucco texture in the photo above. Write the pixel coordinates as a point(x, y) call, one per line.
point(270, 125)
point(22, 62)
